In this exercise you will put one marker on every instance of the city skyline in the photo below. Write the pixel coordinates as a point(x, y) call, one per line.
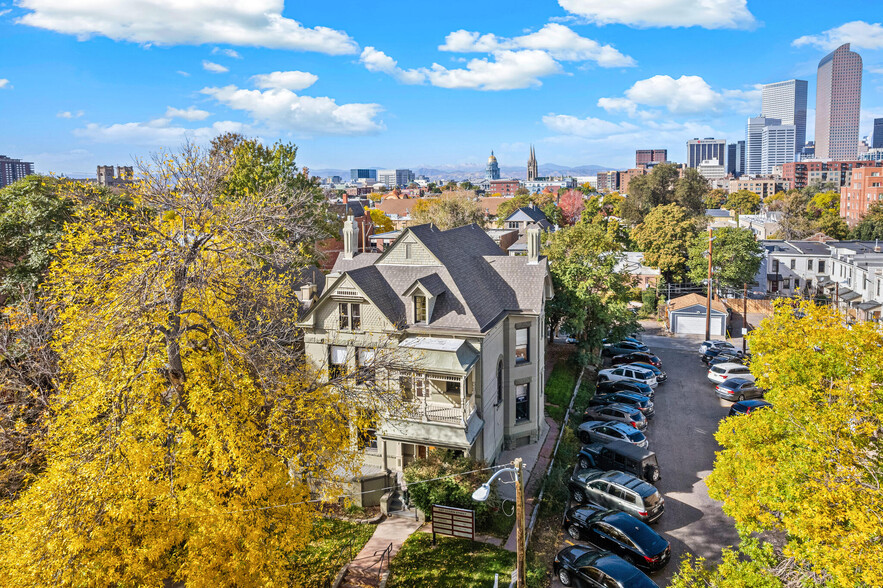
point(585, 83)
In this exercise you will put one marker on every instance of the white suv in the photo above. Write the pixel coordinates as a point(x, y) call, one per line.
point(715, 344)
point(630, 373)
point(721, 372)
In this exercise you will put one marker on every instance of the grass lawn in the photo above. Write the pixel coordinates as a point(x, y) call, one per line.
point(453, 563)
point(318, 564)
point(559, 389)
point(499, 525)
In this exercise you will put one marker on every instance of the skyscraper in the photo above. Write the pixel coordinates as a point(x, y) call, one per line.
point(736, 158)
point(650, 156)
point(838, 104)
point(12, 170)
point(532, 171)
point(492, 171)
point(754, 143)
point(787, 102)
point(877, 139)
point(777, 146)
point(699, 150)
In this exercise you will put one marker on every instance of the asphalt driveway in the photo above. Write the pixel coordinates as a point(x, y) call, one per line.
point(682, 435)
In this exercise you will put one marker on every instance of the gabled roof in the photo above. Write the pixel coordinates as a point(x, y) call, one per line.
point(527, 213)
point(693, 300)
point(480, 282)
point(431, 284)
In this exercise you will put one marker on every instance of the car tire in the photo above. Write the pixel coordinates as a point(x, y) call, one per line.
point(651, 474)
point(741, 397)
point(579, 496)
point(585, 438)
point(573, 531)
point(584, 463)
point(564, 577)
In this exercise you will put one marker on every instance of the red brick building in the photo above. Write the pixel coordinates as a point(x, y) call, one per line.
point(803, 173)
point(504, 187)
point(646, 156)
point(865, 188)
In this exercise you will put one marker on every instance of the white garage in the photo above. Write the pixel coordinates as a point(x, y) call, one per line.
point(686, 316)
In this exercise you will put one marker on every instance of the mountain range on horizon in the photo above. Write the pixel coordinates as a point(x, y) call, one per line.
point(476, 171)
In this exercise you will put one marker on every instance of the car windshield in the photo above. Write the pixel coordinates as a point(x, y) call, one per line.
point(636, 437)
point(643, 374)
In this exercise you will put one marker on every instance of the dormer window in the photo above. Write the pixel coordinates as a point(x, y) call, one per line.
point(420, 309)
point(350, 316)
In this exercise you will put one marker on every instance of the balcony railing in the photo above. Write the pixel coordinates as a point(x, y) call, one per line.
point(439, 412)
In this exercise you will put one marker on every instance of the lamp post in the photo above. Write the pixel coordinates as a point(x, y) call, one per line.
point(482, 494)
point(708, 294)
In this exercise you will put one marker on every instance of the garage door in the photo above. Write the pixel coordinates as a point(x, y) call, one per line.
point(695, 325)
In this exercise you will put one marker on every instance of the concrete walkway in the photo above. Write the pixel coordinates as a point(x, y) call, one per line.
point(538, 472)
point(364, 570)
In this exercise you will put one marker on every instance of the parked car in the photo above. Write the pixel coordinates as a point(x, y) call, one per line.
point(724, 371)
point(618, 491)
point(624, 386)
point(738, 389)
point(726, 358)
point(661, 376)
point(628, 373)
point(582, 565)
point(618, 413)
point(635, 357)
point(619, 455)
point(715, 344)
point(605, 432)
point(619, 532)
point(747, 407)
point(642, 403)
point(710, 354)
point(621, 347)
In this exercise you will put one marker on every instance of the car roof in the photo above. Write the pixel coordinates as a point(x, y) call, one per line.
point(622, 427)
point(629, 481)
point(623, 407)
point(629, 449)
point(646, 366)
point(737, 381)
point(729, 365)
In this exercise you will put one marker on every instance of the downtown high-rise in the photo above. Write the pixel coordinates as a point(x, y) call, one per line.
point(838, 105)
point(786, 101)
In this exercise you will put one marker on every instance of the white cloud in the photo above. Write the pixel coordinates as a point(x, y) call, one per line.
point(228, 52)
point(213, 67)
point(69, 114)
point(586, 127)
point(709, 14)
point(556, 39)
point(288, 80)
point(5, 12)
point(157, 132)
point(510, 70)
point(682, 96)
point(283, 109)
point(876, 69)
point(860, 34)
point(255, 23)
point(4, 83)
point(183, 73)
point(191, 113)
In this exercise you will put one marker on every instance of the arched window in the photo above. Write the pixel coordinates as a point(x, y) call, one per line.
point(500, 381)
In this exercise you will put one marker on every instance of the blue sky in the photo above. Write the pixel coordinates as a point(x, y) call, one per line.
point(395, 84)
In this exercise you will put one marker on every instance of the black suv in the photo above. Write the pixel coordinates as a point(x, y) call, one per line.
point(637, 401)
point(622, 456)
point(624, 386)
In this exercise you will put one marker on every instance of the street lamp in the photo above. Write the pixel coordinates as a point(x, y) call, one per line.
point(482, 494)
point(708, 293)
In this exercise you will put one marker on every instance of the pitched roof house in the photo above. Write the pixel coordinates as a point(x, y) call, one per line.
point(473, 319)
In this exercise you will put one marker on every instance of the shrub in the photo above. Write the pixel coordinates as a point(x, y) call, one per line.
point(454, 491)
point(649, 301)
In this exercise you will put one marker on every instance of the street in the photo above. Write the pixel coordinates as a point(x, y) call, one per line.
point(682, 435)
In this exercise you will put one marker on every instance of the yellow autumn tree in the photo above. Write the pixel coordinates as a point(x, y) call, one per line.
point(808, 471)
point(186, 435)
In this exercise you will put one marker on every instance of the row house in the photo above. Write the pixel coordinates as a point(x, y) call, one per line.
point(469, 318)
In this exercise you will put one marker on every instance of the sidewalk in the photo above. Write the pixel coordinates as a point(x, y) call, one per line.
point(364, 571)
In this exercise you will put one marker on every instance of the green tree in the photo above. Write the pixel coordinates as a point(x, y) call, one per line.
point(553, 213)
point(591, 300)
point(382, 223)
point(664, 185)
point(833, 225)
point(665, 237)
point(690, 191)
point(870, 227)
point(715, 198)
point(795, 222)
point(807, 470)
point(510, 205)
point(736, 257)
point(448, 212)
point(743, 202)
point(521, 191)
point(467, 185)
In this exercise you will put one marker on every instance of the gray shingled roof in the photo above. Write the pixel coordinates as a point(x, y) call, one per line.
point(476, 284)
point(531, 212)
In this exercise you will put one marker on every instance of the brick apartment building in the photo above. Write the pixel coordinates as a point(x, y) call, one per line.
point(865, 188)
point(803, 173)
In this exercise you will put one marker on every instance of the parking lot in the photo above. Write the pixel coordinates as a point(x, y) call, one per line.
point(682, 435)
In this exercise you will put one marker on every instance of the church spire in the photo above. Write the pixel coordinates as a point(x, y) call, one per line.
point(532, 166)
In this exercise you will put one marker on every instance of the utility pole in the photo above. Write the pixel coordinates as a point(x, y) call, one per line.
point(708, 297)
point(519, 521)
point(744, 316)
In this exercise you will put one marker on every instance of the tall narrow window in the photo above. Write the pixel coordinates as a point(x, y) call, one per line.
point(522, 347)
point(365, 365)
point(500, 380)
point(821, 266)
point(355, 316)
point(336, 361)
point(793, 263)
point(419, 309)
point(775, 266)
point(343, 311)
point(522, 402)
point(407, 251)
point(809, 264)
point(406, 387)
